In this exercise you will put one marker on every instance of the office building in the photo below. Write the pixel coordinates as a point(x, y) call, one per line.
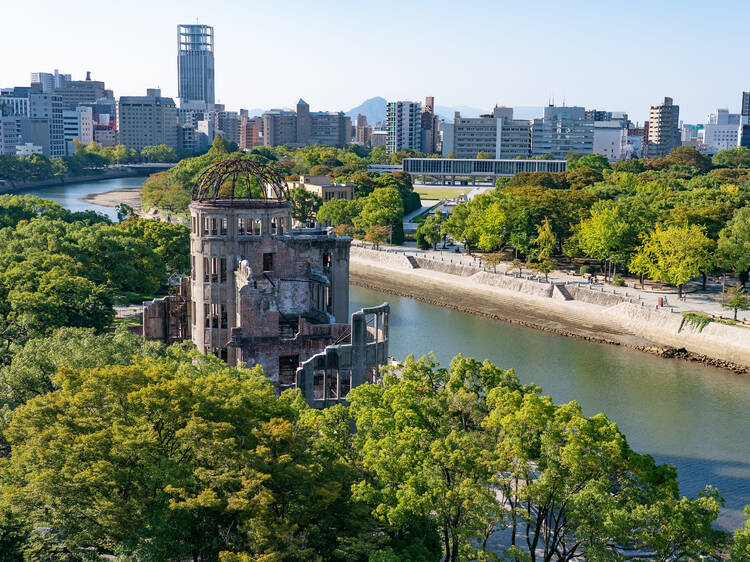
point(195, 63)
point(663, 128)
point(304, 127)
point(362, 131)
point(228, 125)
point(45, 110)
point(561, 130)
point(77, 92)
point(78, 124)
point(378, 138)
point(722, 130)
point(745, 107)
point(404, 126)
point(147, 120)
point(611, 140)
point(10, 133)
point(49, 81)
point(251, 131)
point(105, 136)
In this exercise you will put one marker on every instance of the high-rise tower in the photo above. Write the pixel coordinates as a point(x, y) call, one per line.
point(195, 63)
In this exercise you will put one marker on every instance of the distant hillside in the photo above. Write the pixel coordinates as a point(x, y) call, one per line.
point(373, 109)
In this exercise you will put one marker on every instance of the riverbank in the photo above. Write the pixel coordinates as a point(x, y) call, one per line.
point(105, 174)
point(129, 196)
point(569, 311)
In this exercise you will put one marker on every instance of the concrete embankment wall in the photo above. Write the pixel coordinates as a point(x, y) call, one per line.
point(511, 283)
point(567, 309)
point(730, 343)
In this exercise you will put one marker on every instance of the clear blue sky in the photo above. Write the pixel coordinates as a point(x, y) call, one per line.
point(615, 55)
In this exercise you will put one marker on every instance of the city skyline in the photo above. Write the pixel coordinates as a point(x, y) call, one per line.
point(603, 62)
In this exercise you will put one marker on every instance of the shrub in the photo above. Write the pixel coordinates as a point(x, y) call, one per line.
point(586, 270)
point(618, 281)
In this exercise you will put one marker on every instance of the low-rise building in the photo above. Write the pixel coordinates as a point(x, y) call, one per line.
point(324, 188)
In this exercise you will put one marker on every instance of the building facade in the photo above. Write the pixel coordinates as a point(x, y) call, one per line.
point(195, 63)
point(47, 109)
point(561, 130)
point(663, 128)
point(304, 127)
point(147, 120)
point(403, 126)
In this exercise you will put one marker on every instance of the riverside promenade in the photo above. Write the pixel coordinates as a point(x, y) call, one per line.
point(565, 304)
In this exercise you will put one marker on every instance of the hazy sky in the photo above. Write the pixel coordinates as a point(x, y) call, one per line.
point(606, 54)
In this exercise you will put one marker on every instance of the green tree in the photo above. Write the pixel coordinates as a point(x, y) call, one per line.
point(740, 549)
point(171, 242)
point(546, 241)
point(305, 204)
point(377, 235)
point(580, 177)
point(734, 245)
point(383, 207)
point(432, 228)
point(593, 161)
point(737, 157)
point(688, 156)
point(484, 156)
point(736, 299)
point(420, 434)
point(152, 454)
point(340, 211)
point(674, 255)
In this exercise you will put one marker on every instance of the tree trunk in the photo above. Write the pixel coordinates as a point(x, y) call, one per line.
point(735, 314)
point(705, 278)
point(679, 290)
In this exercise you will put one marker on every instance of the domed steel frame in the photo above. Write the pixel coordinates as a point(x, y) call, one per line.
point(212, 179)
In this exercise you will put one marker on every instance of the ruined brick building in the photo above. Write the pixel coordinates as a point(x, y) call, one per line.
point(262, 293)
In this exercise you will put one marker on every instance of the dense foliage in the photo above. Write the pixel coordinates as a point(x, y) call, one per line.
point(87, 159)
point(118, 446)
point(172, 189)
point(670, 218)
point(59, 268)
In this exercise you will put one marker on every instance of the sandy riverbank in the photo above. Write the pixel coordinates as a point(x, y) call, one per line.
point(570, 318)
point(129, 196)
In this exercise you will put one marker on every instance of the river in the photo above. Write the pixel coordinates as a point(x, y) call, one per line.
point(687, 414)
point(73, 196)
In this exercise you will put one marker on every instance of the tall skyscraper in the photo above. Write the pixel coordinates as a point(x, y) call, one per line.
point(663, 128)
point(195, 63)
point(745, 110)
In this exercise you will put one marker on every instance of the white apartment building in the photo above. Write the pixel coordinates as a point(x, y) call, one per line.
point(404, 126)
point(78, 124)
point(721, 131)
point(611, 140)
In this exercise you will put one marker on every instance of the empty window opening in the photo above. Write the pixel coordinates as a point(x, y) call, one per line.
point(268, 261)
point(288, 371)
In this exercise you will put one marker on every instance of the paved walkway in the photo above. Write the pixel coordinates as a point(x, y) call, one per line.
point(695, 298)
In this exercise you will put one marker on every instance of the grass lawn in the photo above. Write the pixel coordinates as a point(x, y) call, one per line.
point(437, 193)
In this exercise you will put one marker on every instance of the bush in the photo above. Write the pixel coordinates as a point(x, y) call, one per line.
point(586, 270)
point(618, 281)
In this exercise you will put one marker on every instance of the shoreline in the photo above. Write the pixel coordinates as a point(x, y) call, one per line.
point(583, 322)
point(129, 196)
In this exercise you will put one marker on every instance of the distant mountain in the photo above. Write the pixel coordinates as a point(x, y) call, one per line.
point(373, 109)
